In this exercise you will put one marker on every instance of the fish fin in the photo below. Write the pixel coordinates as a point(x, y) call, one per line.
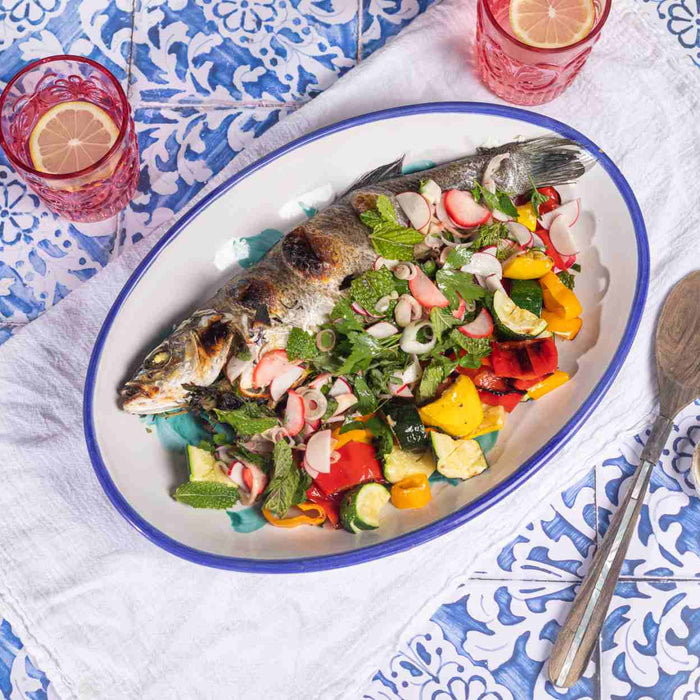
point(383, 172)
point(551, 160)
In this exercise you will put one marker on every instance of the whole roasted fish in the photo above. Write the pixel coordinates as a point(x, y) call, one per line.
point(303, 275)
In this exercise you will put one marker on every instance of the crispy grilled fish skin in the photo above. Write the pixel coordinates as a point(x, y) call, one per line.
point(300, 279)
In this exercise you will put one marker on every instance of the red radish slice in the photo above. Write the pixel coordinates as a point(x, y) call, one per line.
point(463, 210)
point(480, 327)
point(272, 364)
point(520, 232)
point(570, 211)
point(426, 292)
point(345, 401)
point(282, 382)
point(413, 372)
point(494, 284)
point(340, 387)
point(235, 368)
point(235, 472)
point(383, 329)
point(359, 309)
point(318, 452)
point(483, 264)
point(501, 215)
point(402, 391)
point(311, 472)
point(310, 427)
point(416, 208)
point(491, 168)
point(459, 312)
point(489, 250)
point(560, 235)
point(381, 262)
point(537, 241)
point(255, 481)
point(321, 381)
point(294, 413)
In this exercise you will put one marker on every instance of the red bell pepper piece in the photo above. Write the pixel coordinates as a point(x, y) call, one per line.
point(525, 384)
point(357, 464)
point(524, 359)
point(509, 400)
point(484, 378)
point(553, 199)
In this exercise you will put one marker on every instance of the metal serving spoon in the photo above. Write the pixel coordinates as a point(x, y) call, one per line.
point(678, 368)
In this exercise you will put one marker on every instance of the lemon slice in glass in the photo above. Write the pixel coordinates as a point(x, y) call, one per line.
point(551, 24)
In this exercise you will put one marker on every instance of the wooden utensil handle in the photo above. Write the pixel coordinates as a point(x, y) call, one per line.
point(579, 634)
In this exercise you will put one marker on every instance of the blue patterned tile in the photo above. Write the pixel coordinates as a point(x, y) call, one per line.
point(180, 151)
point(241, 50)
point(383, 19)
point(650, 646)
point(666, 542)
point(19, 677)
point(557, 545)
point(487, 640)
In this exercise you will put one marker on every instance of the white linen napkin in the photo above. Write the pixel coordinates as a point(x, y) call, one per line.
point(109, 615)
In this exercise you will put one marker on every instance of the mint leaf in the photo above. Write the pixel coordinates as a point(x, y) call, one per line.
point(330, 409)
point(370, 287)
point(366, 400)
point(382, 434)
point(301, 345)
point(489, 234)
point(371, 218)
point(454, 282)
point(459, 255)
point(442, 320)
point(206, 445)
point(207, 494)
point(575, 267)
point(248, 420)
point(389, 238)
point(432, 376)
point(475, 348)
point(567, 279)
point(505, 204)
point(349, 321)
point(494, 200)
point(287, 485)
point(385, 208)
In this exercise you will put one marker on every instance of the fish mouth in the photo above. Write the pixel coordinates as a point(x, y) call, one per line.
point(145, 399)
point(132, 390)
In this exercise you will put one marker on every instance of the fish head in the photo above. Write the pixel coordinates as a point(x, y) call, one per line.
point(194, 353)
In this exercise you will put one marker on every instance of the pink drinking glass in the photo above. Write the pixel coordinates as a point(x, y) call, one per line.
point(102, 189)
point(522, 74)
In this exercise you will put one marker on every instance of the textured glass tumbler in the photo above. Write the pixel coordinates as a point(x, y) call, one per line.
point(522, 74)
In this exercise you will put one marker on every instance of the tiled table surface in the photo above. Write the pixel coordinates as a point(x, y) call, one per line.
point(205, 78)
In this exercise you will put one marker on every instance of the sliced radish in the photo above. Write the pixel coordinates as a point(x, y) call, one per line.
point(310, 427)
point(483, 264)
point(345, 401)
point(560, 235)
point(501, 215)
point(340, 386)
point(321, 381)
point(359, 309)
point(311, 472)
point(318, 452)
point(381, 262)
point(444, 217)
point(282, 382)
point(426, 292)
point(537, 241)
point(235, 472)
point(570, 211)
point(431, 191)
point(294, 413)
point(520, 233)
point(459, 312)
point(489, 250)
point(383, 329)
point(463, 209)
point(235, 368)
point(315, 403)
point(255, 480)
point(272, 364)
point(401, 391)
point(491, 168)
point(480, 327)
point(493, 283)
point(509, 247)
point(416, 208)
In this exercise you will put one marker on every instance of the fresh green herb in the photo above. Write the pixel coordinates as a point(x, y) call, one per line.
point(206, 445)
point(207, 494)
point(344, 318)
point(382, 434)
point(494, 200)
point(366, 400)
point(220, 439)
point(436, 372)
point(536, 198)
point(458, 256)
point(503, 249)
point(442, 320)
point(244, 353)
point(370, 287)
point(575, 267)
point(352, 425)
point(476, 348)
point(489, 234)
point(252, 418)
point(301, 345)
point(288, 483)
point(453, 283)
point(330, 410)
point(247, 456)
point(505, 204)
point(389, 238)
point(364, 348)
point(429, 267)
point(567, 279)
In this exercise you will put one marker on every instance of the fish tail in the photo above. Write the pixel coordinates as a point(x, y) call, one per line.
point(551, 160)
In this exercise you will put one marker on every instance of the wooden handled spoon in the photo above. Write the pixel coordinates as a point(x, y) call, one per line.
point(678, 367)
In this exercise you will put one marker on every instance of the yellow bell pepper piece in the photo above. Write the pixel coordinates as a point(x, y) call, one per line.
point(313, 515)
point(358, 435)
point(528, 266)
point(554, 380)
point(411, 492)
point(458, 411)
point(527, 216)
point(558, 298)
point(494, 419)
point(561, 327)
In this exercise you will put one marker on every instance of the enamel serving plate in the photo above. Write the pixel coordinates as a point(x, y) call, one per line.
point(198, 254)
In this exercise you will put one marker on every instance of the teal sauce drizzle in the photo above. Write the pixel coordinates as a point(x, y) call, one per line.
point(246, 520)
point(175, 432)
point(258, 246)
point(416, 166)
point(309, 211)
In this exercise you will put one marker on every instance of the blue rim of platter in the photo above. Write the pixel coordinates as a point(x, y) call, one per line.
point(464, 514)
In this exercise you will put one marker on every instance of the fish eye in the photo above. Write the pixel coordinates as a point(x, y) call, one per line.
point(159, 359)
